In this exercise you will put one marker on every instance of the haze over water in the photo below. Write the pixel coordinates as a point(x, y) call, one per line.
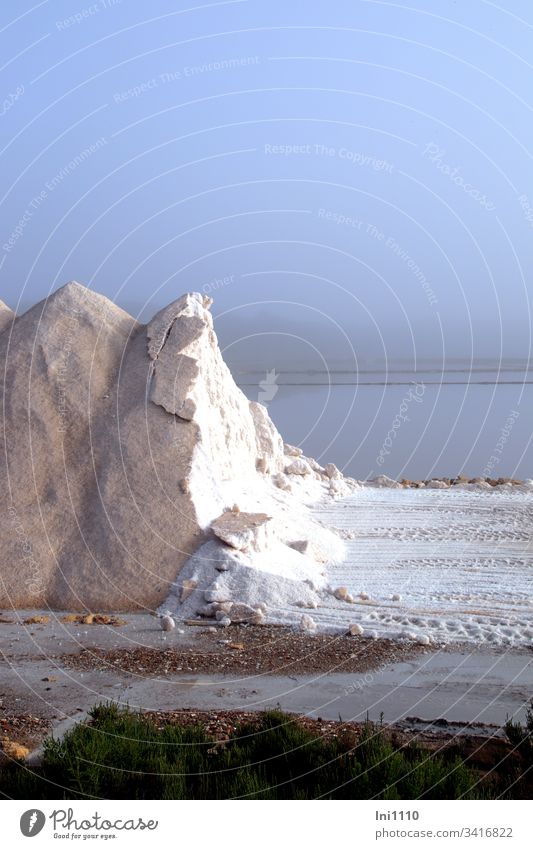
point(403, 424)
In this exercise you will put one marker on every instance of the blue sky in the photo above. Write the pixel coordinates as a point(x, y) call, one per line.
point(354, 174)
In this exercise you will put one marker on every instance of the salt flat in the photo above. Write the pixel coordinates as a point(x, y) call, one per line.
point(461, 561)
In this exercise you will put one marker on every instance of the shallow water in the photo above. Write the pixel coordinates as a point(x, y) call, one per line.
point(405, 425)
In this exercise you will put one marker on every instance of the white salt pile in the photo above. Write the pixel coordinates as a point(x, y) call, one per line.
point(124, 449)
point(6, 316)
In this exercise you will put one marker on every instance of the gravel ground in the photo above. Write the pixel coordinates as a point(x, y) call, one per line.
point(19, 731)
point(250, 651)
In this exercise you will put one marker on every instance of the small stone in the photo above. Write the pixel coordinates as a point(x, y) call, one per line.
point(167, 623)
point(298, 467)
point(339, 489)
point(258, 618)
point(352, 483)
point(184, 486)
point(437, 484)
point(242, 530)
point(187, 589)
point(208, 610)
point(15, 750)
point(245, 614)
point(225, 622)
point(355, 630)
point(292, 450)
point(341, 593)
point(37, 620)
point(385, 481)
point(282, 482)
point(396, 597)
point(261, 464)
point(307, 623)
point(300, 545)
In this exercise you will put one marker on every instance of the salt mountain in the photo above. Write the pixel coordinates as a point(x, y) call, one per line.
point(124, 448)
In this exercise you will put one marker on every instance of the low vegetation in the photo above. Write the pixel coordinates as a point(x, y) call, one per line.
point(123, 755)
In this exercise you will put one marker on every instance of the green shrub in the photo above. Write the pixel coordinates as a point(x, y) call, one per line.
point(123, 755)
